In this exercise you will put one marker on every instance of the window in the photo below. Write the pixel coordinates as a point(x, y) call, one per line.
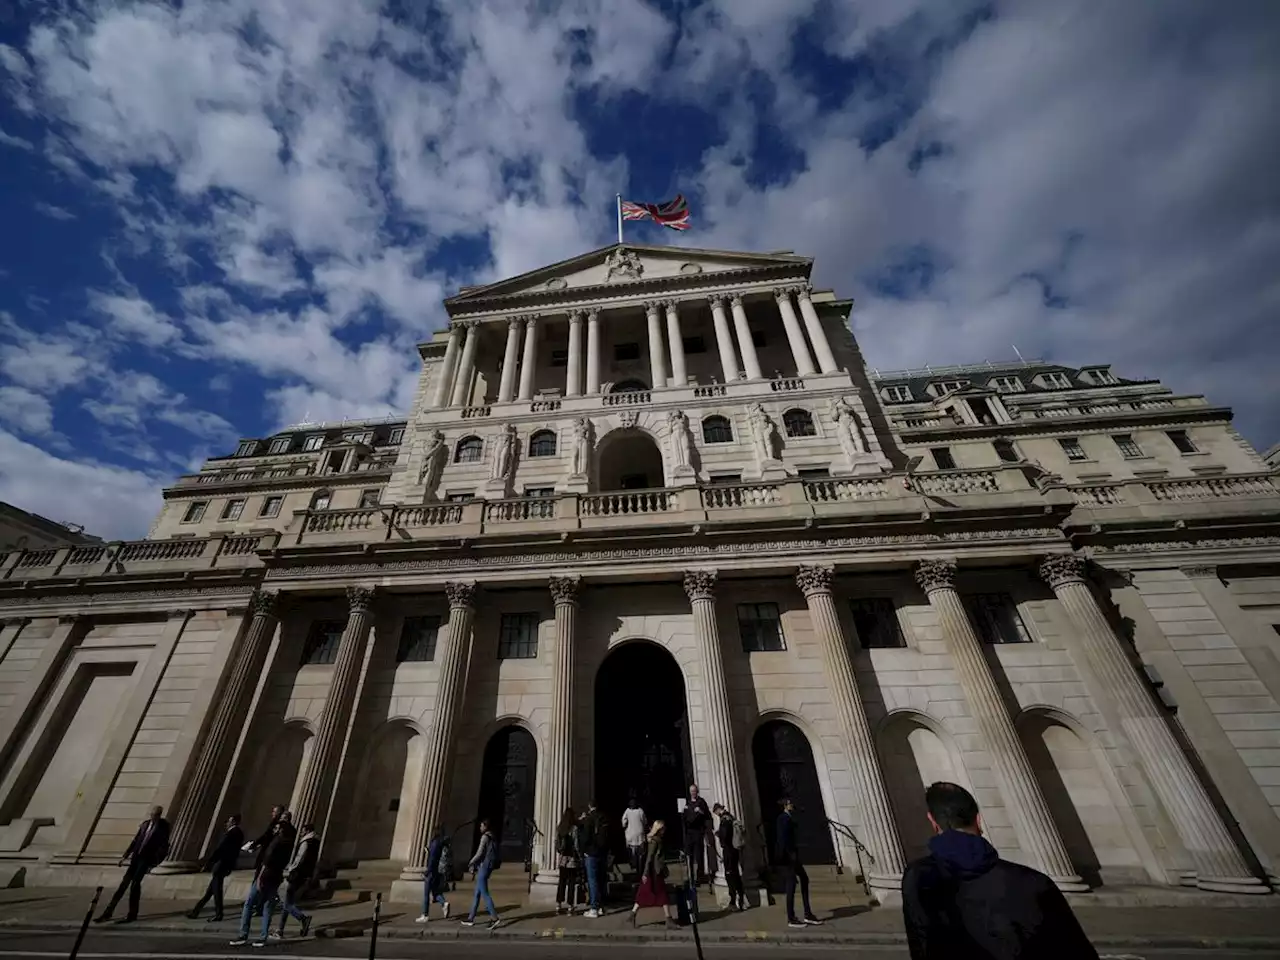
point(758, 339)
point(321, 500)
point(981, 410)
point(518, 636)
point(280, 445)
point(1005, 384)
point(946, 386)
point(243, 475)
point(717, 429)
point(1101, 375)
point(539, 491)
point(1182, 441)
point(725, 478)
point(1006, 451)
point(813, 473)
point(634, 481)
point(942, 458)
point(1071, 447)
point(460, 497)
point(418, 640)
point(760, 626)
point(876, 621)
point(247, 448)
point(559, 358)
point(314, 442)
point(396, 435)
point(271, 507)
point(799, 423)
point(995, 617)
point(898, 394)
point(364, 437)
point(1057, 381)
point(629, 386)
point(626, 351)
point(370, 498)
point(195, 511)
point(233, 509)
point(469, 450)
point(542, 444)
point(695, 344)
point(323, 641)
point(1127, 447)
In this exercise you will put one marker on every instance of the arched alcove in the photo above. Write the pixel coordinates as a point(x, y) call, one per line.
point(508, 781)
point(278, 769)
point(381, 824)
point(628, 459)
point(915, 752)
point(785, 767)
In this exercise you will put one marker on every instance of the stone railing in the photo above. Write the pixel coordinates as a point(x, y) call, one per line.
point(1211, 488)
point(544, 406)
point(1099, 495)
point(836, 491)
point(628, 398)
point(626, 503)
point(1146, 494)
point(330, 521)
point(525, 508)
point(427, 515)
point(148, 551)
point(785, 384)
point(36, 558)
point(470, 413)
point(968, 481)
point(712, 390)
point(98, 559)
point(725, 496)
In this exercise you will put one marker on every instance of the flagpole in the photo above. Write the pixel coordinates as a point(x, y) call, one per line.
point(619, 218)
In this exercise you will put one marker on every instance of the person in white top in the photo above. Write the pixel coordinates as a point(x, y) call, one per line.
point(635, 826)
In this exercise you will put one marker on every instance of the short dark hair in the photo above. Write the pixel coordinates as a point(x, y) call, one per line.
point(717, 806)
point(951, 806)
point(234, 818)
point(309, 826)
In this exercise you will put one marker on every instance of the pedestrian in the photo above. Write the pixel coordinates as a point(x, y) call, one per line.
point(963, 902)
point(147, 849)
point(787, 857)
point(298, 875)
point(566, 841)
point(434, 880)
point(595, 848)
point(733, 837)
point(697, 820)
point(481, 865)
point(635, 826)
point(266, 880)
point(220, 862)
point(652, 891)
point(278, 812)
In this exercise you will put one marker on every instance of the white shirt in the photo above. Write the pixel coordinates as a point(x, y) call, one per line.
point(634, 826)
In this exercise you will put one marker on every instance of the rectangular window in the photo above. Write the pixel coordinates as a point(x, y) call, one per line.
point(418, 640)
point(626, 351)
point(946, 386)
point(1071, 447)
point(233, 509)
point(942, 458)
point(246, 448)
point(898, 394)
point(313, 442)
point(1182, 441)
point(695, 344)
point(361, 437)
point(995, 616)
point(1103, 377)
point(760, 626)
point(1057, 381)
point(518, 636)
point(195, 511)
point(559, 358)
point(323, 641)
point(539, 491)
point(243, 475)
point(1005, 451)
point(280, 445)
point(1005, 384)
point(814, 473)
point(396, 435)
point(758, 339)
point(876, 621)
point(271, 507)
point(724, 477)
point(461, 496)
point(1127, 447)
point(370, 498)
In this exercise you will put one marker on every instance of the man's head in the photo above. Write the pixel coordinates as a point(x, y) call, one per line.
point(952, 807)
point(787, 805)
point(233, 821)
point(156, 812)
point(693, 791)
point(276, 811)
point(286, 817)
point(308, 828)
point(718, 809)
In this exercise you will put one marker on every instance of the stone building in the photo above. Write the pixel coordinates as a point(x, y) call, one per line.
point(653, 520)
point(21, 530)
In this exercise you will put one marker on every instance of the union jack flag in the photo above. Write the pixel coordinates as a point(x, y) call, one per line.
point(673, 213)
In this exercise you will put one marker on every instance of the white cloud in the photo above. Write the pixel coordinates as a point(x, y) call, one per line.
point(53, 212)
point(9, 140)
point(26, 410)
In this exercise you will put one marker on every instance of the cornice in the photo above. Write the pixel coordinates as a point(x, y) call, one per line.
point(316, 481)
point(1059, 426)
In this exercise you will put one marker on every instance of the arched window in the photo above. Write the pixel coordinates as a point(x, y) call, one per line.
point(629, 386)
point(799, 423)
point(320, 500)
point(542, 444)
point(469, 450)
point(717, 430)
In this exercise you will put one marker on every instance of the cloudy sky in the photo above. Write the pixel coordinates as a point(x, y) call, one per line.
point(222, 216)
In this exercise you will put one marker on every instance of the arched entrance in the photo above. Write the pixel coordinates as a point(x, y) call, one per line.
point(785, 768)
point(507, 788)
point(915, 755)
point(382, 816)
point(277, 776)
point(642, 735)
point(628, 459)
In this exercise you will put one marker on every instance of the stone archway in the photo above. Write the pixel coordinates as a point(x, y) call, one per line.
point(628, 459)
point(914, 754)
point(507, 789)
point(277, 774)
point(785, 768)
point(381, 825)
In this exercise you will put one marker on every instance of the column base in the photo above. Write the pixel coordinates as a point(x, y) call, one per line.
point(885, 881)
point(543, 890)
point(1247, 885)
point(177, 866)
point(406, 891)
point(1071, 884)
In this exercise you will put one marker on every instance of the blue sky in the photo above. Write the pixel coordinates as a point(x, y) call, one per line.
point(223, 216)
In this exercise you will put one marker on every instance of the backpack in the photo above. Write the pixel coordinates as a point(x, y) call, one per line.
point(495, 854)
point(739, 835)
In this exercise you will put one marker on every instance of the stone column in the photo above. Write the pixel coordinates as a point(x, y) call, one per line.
point(530, 361)
point(746, 346)
point(462, 382)
point(510, 359)
point(879, 824)
point(679, 376)
point(190, 815)
point(724, 340)
point(817, 336)
point(437, 763)
point(558, 790)
point(795, 336)
point(573, 376)
point(1029, 813)
point(593, 352)
point(317, 782)
point(445, 383)
point(725, 785)
point(1219, 865)
point(657, 356)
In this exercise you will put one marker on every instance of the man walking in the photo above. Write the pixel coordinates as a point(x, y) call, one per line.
point(298, 875)
point(266, 880)
point(219, 863)
point(149, 847)
point(697, 817)
point(787, 856)
point(962, 902)
point(732, 837)
point(278, 812)
point(595, 848)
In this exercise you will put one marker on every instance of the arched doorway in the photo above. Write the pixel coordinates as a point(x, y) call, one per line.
point(628, 459)
point(785, 768)
point(507, 784)
point(914, 756)
point(629, 386)
point(277, 776)
point(642, 735)
point(382, 817)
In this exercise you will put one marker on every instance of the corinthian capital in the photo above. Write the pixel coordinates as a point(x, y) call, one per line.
point(652, 306)
point(935, 574)
point(700, 584)
point(735, 299)
point(671, 304)
point(1062, 568)
point(782, 293)
point(576, 316)
point(265, 602)
point(564, 589)
point(359, 599)
point(461, 593)
point(814, 578)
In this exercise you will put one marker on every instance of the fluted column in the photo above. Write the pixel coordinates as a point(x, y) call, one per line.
point(573, 376)
point(657, 356)
point(510, 359)
point(795, 336)
point(445, 383)
point(725, 785)
point(437, 762)
point(558, 790)
point(593, 352)
point(817, 336)
point(724, 340)
point(529, 362)
point(1029, 813)
point(1219, 865)
point(317, 782)
point(679, 376)
point(190, 816)
point(462, 382)
point(879, 825)
point(746, 346)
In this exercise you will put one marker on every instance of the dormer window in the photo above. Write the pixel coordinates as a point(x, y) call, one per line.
point(365, 437)
point(1006, 385)
point(1056, 381)
point(941, 387)
point(897, 394)
point(313, 442)
point(1100, 375)
point(247, 448)
point(396, 435)
point(279, 445)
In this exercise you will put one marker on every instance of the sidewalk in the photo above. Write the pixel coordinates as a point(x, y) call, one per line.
point(1243, 927)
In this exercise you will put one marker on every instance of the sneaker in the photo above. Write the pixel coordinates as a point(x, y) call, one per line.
point(796, 924)
point(422, 919)
point(446, 909)
point(592, 914)
point(468, 922)
point(495, 923)
point(306, 927)
point(276, 935)
point(258, 943)
point(214, 920)
point(238, 941)
point(813, 921)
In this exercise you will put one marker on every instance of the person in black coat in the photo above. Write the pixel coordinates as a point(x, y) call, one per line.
point(220, 862)
point(696, 819)
point(147, 849)
point(962, 902)
point(786, 857)
point(267, 879)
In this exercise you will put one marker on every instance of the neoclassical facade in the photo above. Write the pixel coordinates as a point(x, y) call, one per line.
point(652, 520)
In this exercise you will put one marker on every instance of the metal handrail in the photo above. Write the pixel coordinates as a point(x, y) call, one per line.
point(531, 832)
point(838, 830)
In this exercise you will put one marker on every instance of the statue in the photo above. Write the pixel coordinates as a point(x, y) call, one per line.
point(624, 264)
point(504, 456)
point(848, 430)
point(433, 459)
point(681, 442)
point(762, 433)
point(581, 446)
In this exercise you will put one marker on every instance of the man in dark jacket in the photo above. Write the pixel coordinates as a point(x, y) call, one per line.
point(786, 856)
point(266, 881)
point(696, 818)
point(962, 902)
point(278, 812)
point(730, 835)
point(595, 848)
point(147, 849)
point(220, 862)
point(297, 877)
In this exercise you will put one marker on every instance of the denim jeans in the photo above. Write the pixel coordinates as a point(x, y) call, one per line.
point(482, 890)
point(288, 904)
point(593, 881)
point(263, 894)
point(432, 892)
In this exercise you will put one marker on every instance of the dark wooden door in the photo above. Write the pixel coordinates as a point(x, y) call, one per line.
point(785, 768)
point(507, 789)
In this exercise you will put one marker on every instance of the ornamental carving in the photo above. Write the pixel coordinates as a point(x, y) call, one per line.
point(700, 584)
point(735, 299)
point(815, 578)
point(564, 589)
point(1208, 572)
point(461, 593)
point(718, 300)
point(1062, 568)
point(935, 574)
point(359, 600)
point(623, 264)
point(629, 418)
point(652, 306)
point(265, 602)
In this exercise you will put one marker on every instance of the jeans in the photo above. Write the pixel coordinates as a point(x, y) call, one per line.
point(132, 880)
point(792, 873)
point(260, 893)
point(732, 860)
point(432, 892)
point(482, 890)
point(567, 886)
point(214, 891)
point(288, 904)
point(593, 881)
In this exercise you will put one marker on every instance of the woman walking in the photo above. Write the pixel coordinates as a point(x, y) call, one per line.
point(634, 827)
point(653, 881)
point(482, 865)
point(567, 861)
point(435, 879)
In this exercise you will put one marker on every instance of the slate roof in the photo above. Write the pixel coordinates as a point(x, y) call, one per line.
point(979, 374)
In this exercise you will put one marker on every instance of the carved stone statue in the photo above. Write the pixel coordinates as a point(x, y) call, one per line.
point(433, 458)
point(582, 444)
point(681, 441)
point(504, 454)
point(848, 430)
point(623, 264)
point(762, 433)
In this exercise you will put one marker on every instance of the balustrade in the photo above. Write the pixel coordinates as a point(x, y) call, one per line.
point(1108, 495)
point(332, 521)
point(86, 555)
point(758, 495)
point(833, 491)
point(784, 384)
point(979, 481)
point(627, 398)
point(627, 502)
point(470, 413)
point(711, 390)
point(544, 406)
point(155, 550)
point(1211, 488)
point(527, 508)
point(36, 558)
point(428, 515)
point(239, 546)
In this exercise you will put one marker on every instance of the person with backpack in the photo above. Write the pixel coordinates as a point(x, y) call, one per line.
point(485, 861)
point(435, 879)
point(733, 837)
point(566, 841)
point(595, 847)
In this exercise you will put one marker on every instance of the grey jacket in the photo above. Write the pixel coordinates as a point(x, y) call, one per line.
point(306, 852)
point(483, 852)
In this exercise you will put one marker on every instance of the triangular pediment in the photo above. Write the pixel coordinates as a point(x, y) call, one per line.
point(629, 263)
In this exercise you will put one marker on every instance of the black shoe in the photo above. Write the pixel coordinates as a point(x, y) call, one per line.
point(796, 924)
point(216, 919)
point(306, 927)
point(193, 914)
point(102, 918)
point(812, 921)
